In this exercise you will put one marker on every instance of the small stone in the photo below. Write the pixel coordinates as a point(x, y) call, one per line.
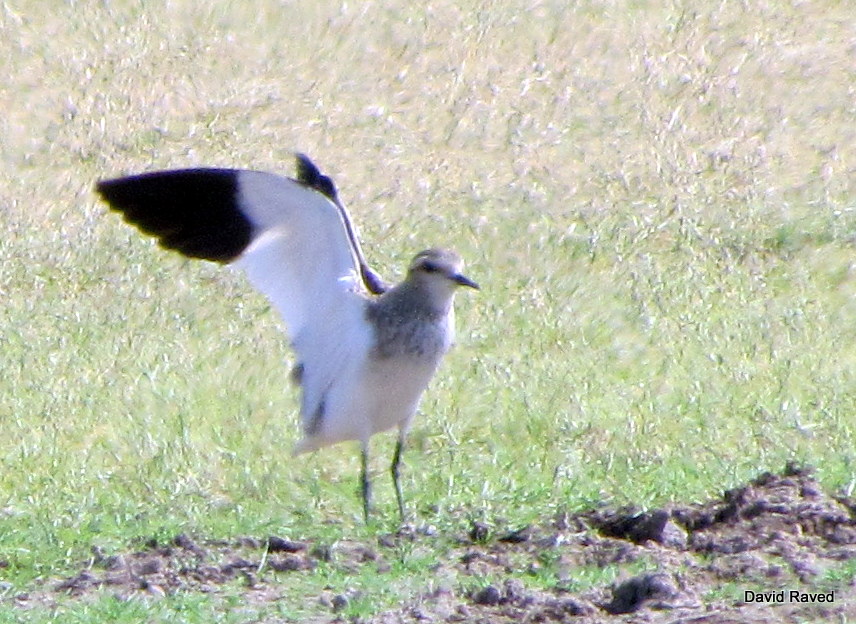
point(630, 595)
point(488, 596)
point(339, 602)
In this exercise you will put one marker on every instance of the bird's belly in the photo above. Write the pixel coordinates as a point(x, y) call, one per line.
point(385, 396)
point(397, 385)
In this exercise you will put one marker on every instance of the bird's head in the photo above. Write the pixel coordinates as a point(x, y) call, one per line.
point(439, 269)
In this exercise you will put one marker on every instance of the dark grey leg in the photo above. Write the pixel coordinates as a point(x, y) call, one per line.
point(394, 469)
point(365, 483)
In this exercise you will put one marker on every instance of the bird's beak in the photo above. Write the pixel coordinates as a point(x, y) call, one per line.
point(463, 280)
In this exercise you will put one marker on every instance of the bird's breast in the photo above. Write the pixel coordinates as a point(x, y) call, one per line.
point(415, 340)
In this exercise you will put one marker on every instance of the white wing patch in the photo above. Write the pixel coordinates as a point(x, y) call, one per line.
point(303, 262)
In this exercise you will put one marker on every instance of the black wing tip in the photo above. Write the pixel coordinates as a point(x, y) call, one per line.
point(310, 175)
point(196, 212)
point(108, 189)
point(372, 281)
point(306, 169)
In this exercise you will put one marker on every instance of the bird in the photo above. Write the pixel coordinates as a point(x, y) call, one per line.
point(365, 350)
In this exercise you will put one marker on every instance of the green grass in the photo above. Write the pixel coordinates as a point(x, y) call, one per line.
point(181, 608)
point(657, 200)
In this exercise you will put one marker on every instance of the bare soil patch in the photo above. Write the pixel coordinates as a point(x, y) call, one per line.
point(682, 563)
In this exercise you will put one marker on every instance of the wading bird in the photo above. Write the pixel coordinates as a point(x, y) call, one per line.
point(365, 351)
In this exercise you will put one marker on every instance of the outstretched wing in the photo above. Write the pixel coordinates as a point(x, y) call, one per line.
point(308, 174)
point(292, 240)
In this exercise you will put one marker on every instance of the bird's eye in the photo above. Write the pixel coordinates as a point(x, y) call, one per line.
point(430, 267)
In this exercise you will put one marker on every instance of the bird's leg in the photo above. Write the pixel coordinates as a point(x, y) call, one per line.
point(394, 469)
point(365, 483)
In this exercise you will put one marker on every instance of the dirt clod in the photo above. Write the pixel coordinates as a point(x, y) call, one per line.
point(278, 544)
point(289, 563)
point(489, 595)
point(633, 593)
point(640, 527)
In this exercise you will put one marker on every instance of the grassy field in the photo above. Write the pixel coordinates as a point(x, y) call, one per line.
point(657, 199)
